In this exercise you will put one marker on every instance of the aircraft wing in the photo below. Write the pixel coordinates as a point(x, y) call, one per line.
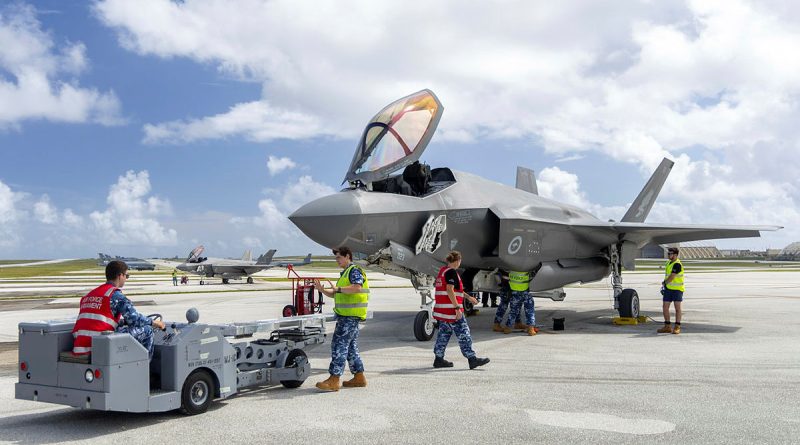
point(642, 233)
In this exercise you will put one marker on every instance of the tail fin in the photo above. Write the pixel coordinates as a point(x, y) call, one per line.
point(247, 255)
point(266, 258)
point(307, 259)
point(526, 180)
point(647, 197)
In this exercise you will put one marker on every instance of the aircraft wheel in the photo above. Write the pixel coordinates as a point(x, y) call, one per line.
point(225, 281)
point(202, 282)
point(629, 303)
point(197, 393)
point(423, 326)
point(289, 311)
point(294, 354)
point(249, 280)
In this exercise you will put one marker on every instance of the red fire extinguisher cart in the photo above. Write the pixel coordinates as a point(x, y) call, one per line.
point(303, 298)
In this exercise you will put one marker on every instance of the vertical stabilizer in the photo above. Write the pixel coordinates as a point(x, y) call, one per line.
point(247, 255)
point(267, 257)
point(647, 197)
point(526, 180)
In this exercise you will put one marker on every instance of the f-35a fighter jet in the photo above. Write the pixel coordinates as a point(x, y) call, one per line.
point(228, 269)
point(407, 222)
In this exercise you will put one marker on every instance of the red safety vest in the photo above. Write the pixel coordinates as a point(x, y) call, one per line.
point(95, 317)
point(443, 309)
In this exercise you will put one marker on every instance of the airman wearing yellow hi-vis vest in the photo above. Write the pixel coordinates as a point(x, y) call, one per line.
point(672, 291)
point(520, 283)
point(350, 295)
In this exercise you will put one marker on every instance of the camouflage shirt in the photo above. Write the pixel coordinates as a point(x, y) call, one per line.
point(122, 306)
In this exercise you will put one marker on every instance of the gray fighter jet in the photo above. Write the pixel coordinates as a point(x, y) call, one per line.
point(228, 269)
point(406, 223)
point(133, 263)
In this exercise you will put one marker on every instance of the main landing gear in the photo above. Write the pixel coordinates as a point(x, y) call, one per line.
point(626, 301)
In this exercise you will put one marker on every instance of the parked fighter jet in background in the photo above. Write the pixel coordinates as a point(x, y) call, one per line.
point(228, 269)
point(133, 263)
point(407, 223)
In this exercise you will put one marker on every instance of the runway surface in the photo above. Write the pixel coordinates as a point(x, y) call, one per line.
point(732, 376)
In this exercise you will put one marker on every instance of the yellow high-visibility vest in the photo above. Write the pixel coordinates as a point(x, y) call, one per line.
point(519, 281)
point(677, 282)
point(351, 305)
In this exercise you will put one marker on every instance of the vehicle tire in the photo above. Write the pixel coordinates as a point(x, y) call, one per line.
point(423, 326)
point(249, 280)
point(468, 306)
point(197, 393)
point(225, 281)
point(629, 303)
point(293, 354)
point(289, 311)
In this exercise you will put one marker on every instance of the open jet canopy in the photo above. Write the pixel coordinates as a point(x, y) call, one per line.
point(395, 137)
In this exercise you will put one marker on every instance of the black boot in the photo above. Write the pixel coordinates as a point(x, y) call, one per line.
point(440, 362)
point(474, 362)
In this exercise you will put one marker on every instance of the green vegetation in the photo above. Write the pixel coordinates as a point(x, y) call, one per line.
point(18, 261)
point(51, 269)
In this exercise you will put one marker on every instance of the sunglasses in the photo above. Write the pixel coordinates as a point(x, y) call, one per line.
point(127, 275)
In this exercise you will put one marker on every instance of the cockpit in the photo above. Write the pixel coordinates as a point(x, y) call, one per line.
point(394, 139)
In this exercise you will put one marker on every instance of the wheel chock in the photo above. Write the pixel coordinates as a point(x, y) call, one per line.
point(629, 320)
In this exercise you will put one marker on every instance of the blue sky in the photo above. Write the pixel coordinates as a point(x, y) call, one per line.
point(145, 128)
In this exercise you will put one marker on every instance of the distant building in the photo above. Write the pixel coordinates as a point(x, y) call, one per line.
point(688, 251)
point(790, 252)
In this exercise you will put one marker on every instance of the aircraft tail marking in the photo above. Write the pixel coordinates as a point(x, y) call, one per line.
point(647, 197)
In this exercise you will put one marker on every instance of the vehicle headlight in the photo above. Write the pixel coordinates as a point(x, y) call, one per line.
point(89, 376)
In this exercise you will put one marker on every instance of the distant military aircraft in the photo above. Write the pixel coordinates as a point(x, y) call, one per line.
point(407, 223)
point(133, 263)
point(229, 269)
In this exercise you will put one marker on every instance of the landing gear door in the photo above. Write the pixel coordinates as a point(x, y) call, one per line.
point(395, 137)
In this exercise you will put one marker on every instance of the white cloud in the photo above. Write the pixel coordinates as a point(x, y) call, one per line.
point(40, 85)
point(44, 211)
point(277, 165)
point(711, 84)
point(273, 212)
point(9, 215)
point(562, 186)
point(132, 216)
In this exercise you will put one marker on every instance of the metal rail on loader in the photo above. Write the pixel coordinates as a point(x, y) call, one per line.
point(192, 364)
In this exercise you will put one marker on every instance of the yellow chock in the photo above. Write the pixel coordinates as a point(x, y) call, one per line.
point(629, 320)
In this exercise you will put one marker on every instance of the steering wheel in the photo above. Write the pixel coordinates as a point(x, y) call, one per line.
point(155, 316)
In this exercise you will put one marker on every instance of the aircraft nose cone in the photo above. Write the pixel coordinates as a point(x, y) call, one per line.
point(329, 220)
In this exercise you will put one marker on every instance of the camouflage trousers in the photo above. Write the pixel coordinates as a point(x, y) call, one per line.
point(344, 346)
point(446, 330)
point(142, 334)
point(505, 298)
point(518, 298)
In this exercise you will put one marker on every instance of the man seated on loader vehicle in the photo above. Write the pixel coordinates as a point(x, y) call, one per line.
point(106, 309)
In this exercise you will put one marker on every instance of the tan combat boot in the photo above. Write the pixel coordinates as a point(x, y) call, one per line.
point(506, 330)
point(676, 329)
point(497, 327)
point(531, 330)
point(665, 330)
point(520, 325)
point(330, 384)
point(358, 381)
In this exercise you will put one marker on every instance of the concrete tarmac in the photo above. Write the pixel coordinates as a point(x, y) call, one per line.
point(732, 376)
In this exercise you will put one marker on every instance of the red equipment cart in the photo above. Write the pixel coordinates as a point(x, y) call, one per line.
point(303, 302)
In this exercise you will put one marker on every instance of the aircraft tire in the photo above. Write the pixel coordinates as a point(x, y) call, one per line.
point(423, 326)
point(629, 303)
point(249, 280)
point(225, 281)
